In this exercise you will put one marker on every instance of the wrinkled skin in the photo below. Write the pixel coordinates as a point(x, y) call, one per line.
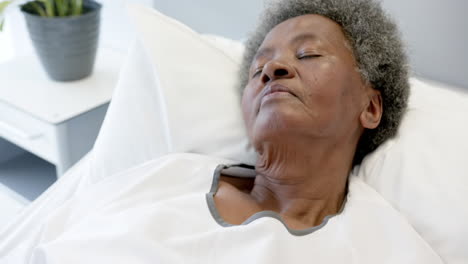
point(305, 107)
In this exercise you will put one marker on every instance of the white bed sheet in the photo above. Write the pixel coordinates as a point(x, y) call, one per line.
point(158, 213)
point(17, 232)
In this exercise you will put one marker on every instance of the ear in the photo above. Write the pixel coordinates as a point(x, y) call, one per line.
point(372, 113)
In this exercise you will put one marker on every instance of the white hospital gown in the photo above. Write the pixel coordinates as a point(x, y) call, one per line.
point(159, 213)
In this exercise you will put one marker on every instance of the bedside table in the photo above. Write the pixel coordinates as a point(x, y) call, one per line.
point(57, 121)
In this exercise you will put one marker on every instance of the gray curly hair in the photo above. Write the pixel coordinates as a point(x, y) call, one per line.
point(376, 45)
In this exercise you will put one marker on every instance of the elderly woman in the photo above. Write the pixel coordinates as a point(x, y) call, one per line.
point(324, 83)
point(317, 77)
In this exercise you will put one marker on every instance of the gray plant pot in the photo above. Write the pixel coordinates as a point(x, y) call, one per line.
point(66, 45)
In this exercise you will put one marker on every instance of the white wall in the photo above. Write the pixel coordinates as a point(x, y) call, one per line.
point(116, 32)
point(228, 18)
point(436, 32)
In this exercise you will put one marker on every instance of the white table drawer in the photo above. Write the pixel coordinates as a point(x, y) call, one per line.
point(31, 134)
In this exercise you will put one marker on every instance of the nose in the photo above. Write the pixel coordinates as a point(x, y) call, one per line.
point(275, 69)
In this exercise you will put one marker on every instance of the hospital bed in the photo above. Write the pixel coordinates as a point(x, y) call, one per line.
point(161, 107)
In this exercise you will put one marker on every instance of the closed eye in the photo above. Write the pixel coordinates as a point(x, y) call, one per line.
point(308, 56)
point(257, 72)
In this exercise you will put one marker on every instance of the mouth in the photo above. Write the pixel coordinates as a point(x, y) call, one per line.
point(275, 91)
point(276, 88)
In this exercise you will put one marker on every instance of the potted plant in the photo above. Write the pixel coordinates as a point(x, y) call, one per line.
point(64, 33)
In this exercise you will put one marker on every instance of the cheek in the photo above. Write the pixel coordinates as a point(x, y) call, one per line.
point(247, 106)
point(333, 81)
point(331, 95)
point(323, 86)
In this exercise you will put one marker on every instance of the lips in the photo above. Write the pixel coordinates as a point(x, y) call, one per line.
point(276, 88)
point(271, 90)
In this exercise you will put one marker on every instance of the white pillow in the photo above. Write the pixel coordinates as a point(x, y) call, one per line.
point(177, 93)
point(423, 171)
point(197, 82)
point(166, 102)
point(133, 130)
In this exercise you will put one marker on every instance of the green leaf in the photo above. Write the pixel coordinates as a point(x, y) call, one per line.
point(78, 7)
point(66, 8)
point(49, 7)
point(3, 6)
point(61, 7)
point(39, 9)
point(58, 7)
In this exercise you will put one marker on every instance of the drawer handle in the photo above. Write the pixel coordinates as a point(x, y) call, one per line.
point(18, 132)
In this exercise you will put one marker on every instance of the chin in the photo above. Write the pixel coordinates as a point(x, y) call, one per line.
point(274, 125)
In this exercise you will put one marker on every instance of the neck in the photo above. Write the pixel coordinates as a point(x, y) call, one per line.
point(302, 183)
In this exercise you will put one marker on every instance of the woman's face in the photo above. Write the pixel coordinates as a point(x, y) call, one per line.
point(303, 80)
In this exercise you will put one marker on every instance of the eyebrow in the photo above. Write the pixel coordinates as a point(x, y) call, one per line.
point(299, 38)
point(262, 53)
point(303, 37)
